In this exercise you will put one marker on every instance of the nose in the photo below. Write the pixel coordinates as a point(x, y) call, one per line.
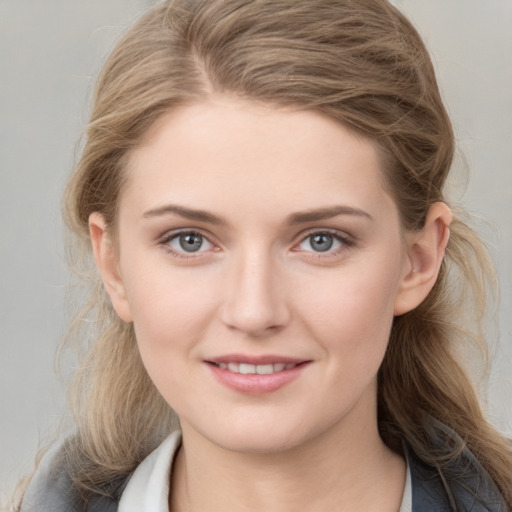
point(255, 302)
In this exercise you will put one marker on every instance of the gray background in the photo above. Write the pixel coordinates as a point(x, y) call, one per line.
point(50, 52)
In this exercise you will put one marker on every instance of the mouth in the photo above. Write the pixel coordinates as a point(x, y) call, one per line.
point(256, 375)
point(256, 369)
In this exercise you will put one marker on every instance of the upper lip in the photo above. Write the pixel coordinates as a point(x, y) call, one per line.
point(256, 360)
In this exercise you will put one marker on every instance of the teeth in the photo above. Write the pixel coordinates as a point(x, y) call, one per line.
point(233, 367)
point(247, 368)
point(253, 369)
point(264, 369)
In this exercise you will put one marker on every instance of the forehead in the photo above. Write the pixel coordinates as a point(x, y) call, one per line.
point(227, 152)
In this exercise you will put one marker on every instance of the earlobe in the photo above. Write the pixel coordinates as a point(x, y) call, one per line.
point(106, 258)
point(425, 252)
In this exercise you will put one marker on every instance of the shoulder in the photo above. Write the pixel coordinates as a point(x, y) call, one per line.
point(460, 484)
point(51, 489)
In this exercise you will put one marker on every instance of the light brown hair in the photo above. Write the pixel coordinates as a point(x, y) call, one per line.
point(359, 62)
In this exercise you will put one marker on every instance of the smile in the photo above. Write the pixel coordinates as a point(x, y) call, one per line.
point(255, 369)
point(256, 375)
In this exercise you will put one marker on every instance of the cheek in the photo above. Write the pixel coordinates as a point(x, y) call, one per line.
point(170, 307)
point(351, 310)
point(171, 310)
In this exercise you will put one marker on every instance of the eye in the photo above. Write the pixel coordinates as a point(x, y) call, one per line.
point(321, 242)
point(188, 242)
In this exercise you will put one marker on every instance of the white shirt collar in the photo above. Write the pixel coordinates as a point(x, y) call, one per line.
point(148, 488)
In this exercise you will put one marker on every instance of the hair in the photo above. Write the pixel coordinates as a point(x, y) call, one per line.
point(359, 62)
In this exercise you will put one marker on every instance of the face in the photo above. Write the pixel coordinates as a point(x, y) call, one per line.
point(261, 261)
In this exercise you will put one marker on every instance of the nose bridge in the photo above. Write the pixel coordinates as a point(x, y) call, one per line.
point(255, 302)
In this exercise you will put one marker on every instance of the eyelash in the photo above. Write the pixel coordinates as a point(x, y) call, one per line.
point(345, 243)
point(166, 241)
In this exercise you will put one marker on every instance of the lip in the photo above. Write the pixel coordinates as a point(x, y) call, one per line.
point(251, 359)
point(256, 384)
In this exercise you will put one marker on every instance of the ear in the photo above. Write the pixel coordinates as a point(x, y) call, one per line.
point(107, 261)
point(425, 252)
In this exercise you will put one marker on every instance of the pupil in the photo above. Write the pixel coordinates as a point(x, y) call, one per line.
point(321, 243)
point(191, 242)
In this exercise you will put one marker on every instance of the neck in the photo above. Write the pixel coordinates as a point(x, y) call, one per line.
point(347, 469)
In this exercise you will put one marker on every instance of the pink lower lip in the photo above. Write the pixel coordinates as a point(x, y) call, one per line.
point(254, 384)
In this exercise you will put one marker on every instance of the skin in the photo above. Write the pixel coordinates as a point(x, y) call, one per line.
point(258, 285)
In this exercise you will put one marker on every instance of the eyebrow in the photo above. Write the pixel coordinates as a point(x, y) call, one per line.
point(325, 213)
point(291, 220)
point(188, 213)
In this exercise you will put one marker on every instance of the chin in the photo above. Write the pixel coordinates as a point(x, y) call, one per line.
point(262, 435)
point(261, 443)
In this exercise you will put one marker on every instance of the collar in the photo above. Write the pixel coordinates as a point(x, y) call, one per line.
point(148, 487)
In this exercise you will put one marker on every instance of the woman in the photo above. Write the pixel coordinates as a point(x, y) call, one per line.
point(262, 190)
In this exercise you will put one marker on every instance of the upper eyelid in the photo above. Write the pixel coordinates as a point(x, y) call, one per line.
point(173, 233)
point(170, 235)
point(347, 242)
point(342, 235)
